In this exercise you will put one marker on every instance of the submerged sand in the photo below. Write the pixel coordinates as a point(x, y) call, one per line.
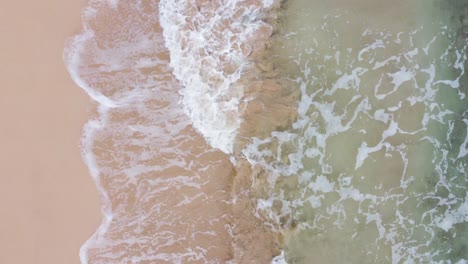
point(50, 204)
point(171, 197)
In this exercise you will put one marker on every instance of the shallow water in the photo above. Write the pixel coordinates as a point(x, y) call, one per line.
point(225, 131)
point(168, 196)
point(374, 168)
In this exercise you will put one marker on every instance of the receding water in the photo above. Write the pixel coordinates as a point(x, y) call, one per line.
point(340, 124)
point(374, 170)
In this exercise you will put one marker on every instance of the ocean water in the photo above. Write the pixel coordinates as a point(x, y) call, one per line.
point(297, 131)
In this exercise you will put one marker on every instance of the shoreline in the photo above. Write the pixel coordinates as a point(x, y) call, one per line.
point(247, 238)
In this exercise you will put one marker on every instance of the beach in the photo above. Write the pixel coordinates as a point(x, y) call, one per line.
point(235, 131)
point(50, 205)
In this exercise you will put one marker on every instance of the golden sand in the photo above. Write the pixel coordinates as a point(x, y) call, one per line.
point(49, 203)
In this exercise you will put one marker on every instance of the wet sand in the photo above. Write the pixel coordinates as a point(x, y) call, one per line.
point(49, 202)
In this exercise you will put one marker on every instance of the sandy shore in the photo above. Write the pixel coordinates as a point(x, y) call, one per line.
point(50, 205)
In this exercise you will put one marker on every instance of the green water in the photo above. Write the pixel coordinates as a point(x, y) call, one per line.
point(375, 168)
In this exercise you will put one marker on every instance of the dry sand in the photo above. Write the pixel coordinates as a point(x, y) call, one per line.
point(49, 203)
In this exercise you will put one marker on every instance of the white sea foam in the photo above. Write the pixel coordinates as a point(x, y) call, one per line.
point(73, 61)
point(87, 141)
point(452, 216)
point(72, 57)
point(464, 146)
point(209, 48)
point(280, 259)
